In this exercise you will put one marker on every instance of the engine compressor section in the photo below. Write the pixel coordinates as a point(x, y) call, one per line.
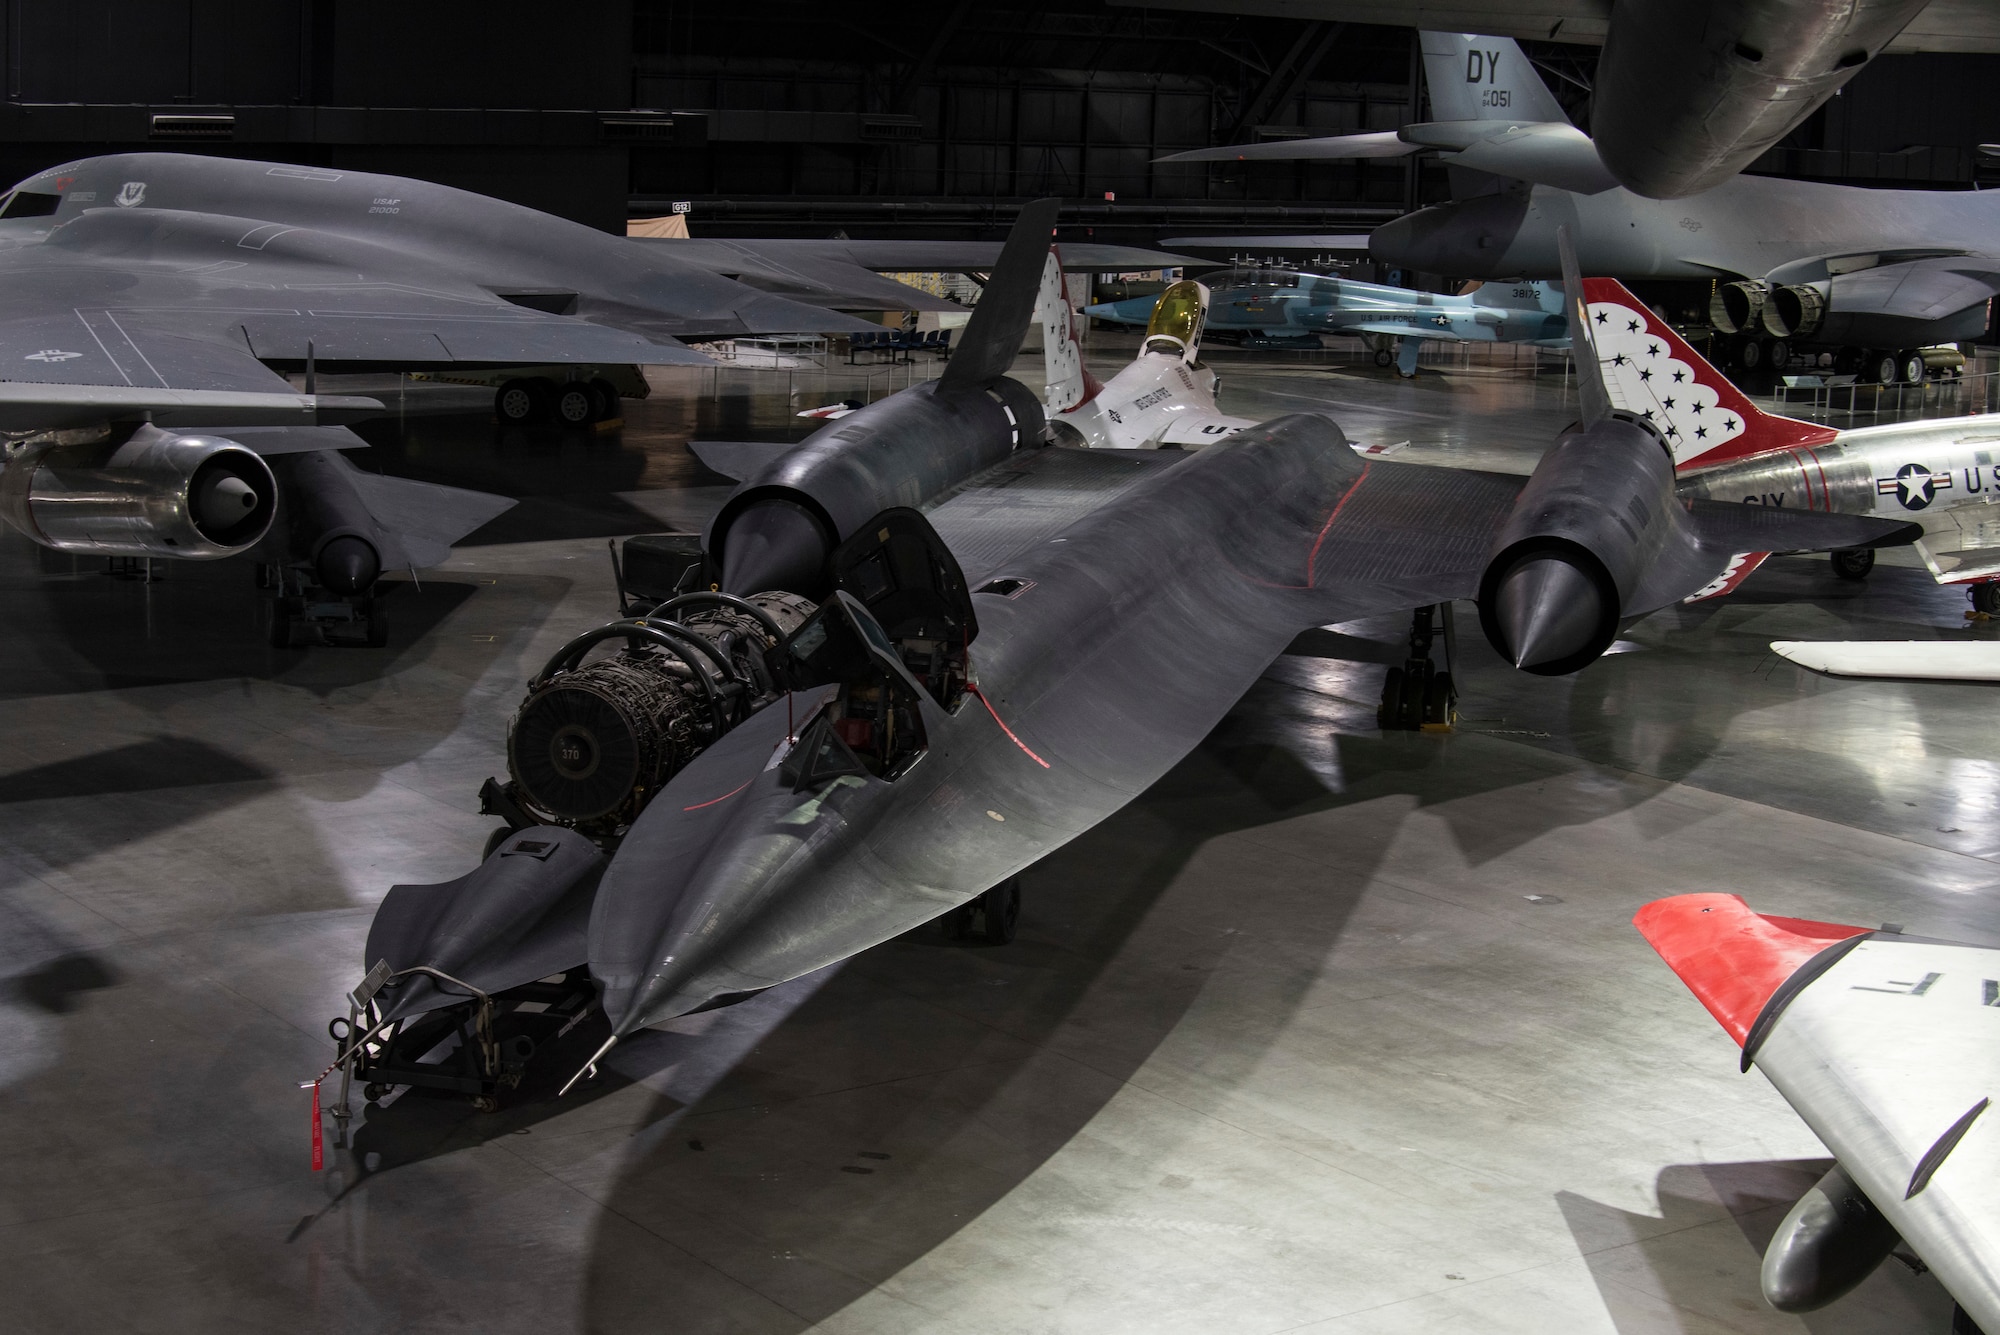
point(596, 737)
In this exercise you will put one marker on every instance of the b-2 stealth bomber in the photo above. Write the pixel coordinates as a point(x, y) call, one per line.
point(154, 302)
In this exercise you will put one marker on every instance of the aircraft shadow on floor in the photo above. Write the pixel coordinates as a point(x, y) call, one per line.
point(816, 1140)
point(569, 480)
point(197, 621)
point(921, 1085)
point(1666, 710)
point(1702, 1254)
point(42, 965)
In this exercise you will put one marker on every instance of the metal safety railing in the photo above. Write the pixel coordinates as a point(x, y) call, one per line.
point(1958, 395)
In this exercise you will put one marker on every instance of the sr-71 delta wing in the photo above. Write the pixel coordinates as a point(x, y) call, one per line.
point(981, 684)
point(1886, 1045)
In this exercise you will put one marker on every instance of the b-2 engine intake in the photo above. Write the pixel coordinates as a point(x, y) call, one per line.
point(153, 493)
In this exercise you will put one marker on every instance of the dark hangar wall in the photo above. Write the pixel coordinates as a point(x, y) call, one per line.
point(803, 117)
point(501, 96)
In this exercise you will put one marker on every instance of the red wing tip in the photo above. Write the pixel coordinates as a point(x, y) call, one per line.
point(1731, 957)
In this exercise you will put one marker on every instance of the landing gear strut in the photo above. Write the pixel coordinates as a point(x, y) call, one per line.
point(1417, 695)
point(989, 919)
point(304, 614)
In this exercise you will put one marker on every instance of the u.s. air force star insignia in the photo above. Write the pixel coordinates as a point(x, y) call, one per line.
point(1914, 486)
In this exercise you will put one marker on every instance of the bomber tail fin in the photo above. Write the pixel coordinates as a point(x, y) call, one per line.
point(1069, 381)
point(999, 322)
point(1650, 371)
point(1474, 78)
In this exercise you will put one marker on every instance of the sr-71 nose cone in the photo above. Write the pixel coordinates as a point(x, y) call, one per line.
point(1548, 612)
point(752, 868)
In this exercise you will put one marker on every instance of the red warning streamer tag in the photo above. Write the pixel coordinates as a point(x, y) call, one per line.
point(319, 1151)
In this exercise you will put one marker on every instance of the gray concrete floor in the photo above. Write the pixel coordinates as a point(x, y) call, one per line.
point(1284, 1046)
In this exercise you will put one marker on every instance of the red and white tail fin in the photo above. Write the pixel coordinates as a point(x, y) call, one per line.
point(1649, 370)
point(1069, 381)
point(1731, 958)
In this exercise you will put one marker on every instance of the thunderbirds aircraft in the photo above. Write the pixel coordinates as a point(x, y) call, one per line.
point(787, 784)
point(1942, 474)
point(1165, 397)
point(1284, 303)
point(1870, 275)
point(1883, 1044)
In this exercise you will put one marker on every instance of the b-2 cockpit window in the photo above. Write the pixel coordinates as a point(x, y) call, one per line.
point(30, 204)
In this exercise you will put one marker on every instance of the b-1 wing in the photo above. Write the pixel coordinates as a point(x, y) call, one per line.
point(1552, 153)
point(1889, 1047)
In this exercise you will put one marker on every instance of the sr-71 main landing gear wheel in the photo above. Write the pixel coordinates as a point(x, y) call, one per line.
point(1438, 699)
point(1418, 695)
point(1389, 714)
point(1986, 598)
point(999, 911)
point(1853, 562)
point(989, 919)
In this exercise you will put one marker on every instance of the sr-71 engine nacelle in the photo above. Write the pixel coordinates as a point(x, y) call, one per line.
point(155, 493)
point(1585, 532)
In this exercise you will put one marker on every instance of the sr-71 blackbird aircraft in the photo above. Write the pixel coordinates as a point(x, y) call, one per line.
point(154, 301)
point(786, 784)
point(1883, 1043)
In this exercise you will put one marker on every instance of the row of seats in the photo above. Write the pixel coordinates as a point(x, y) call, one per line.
point(897, 344)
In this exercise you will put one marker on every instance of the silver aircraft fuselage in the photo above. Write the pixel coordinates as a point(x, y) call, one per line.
point(1944, 475)
point(1747, 226)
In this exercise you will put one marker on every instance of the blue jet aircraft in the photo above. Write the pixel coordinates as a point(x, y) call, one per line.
point(1284, 305)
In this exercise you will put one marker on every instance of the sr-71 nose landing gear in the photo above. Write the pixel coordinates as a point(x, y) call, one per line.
point(1418, 695)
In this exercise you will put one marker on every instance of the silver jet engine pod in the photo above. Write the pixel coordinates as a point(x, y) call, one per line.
point(154, 493)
